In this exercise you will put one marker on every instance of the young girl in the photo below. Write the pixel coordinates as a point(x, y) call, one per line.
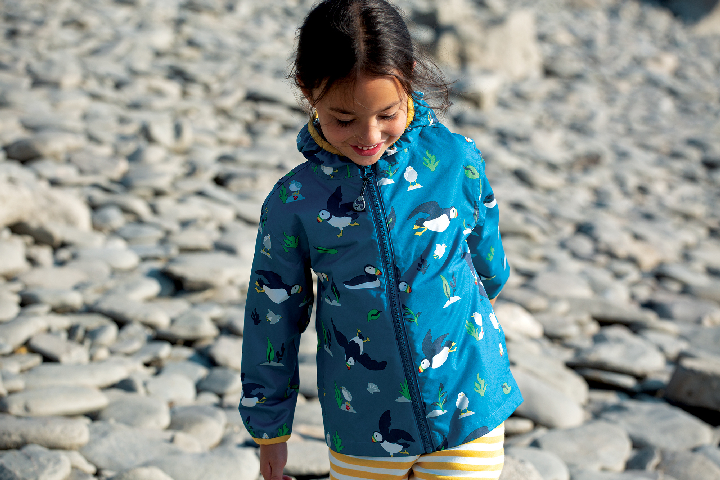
point(396, 218)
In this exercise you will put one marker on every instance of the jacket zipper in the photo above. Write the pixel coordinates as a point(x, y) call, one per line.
point(388, 259)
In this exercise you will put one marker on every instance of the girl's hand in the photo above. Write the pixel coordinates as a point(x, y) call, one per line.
point(272, 461)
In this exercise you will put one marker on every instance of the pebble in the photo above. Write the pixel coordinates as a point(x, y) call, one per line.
point(546, 462)
point(546, 405)
point(136, 411)
point(696, 383)
point(56, 433)
point(34, 461)
point(681, 464)
point(55, 400)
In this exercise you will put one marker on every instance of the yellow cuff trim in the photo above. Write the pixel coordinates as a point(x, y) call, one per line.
point(329, 148)
point(272, 441)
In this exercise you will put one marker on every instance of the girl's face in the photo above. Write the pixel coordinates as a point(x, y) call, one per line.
point(361, 119)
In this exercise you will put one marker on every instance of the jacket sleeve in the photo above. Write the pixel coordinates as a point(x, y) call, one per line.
point(485, 243)
point(278, 308)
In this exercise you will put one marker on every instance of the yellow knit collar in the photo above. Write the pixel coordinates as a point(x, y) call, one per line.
point(325, 145)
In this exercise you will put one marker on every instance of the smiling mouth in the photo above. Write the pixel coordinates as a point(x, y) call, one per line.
point(368, 148)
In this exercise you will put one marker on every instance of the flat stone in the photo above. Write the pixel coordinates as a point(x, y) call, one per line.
point(116, 447)
point(596, 445)
point(126, 310)
point(547, 463)
point(96, 374)
point(19, 362)
point(59, 300)
point(153, 352)
point(140, 233)
point(49, 432)
point(617, 349)
point(142, 473)
point(204, 422)
point(561, 284)
point(221, 381)
point(696, 382)
point(551, 371)
point(221, 462)
point(58, 349)
point(682, 464)
point(137, 411)
point(104, 335)
point(199, 271)
point(121, 259)
point(516, 321)
point(79, 463)
point(226, 351)
point(9, 306)
point(19, 330)
point(612, 379)
point(307, 458)
point(191, 325)
point(57, 278)
point(171, 387)
point(191, 369)
point(34, 462)
point(518, 469)
point(712, 452)
point(55, 400)
point(137, 287)
point(647, 423)
point(12, 257)
point(546, 405)
point(612, 312)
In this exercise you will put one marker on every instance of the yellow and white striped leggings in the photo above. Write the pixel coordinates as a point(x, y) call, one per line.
point(481, 458)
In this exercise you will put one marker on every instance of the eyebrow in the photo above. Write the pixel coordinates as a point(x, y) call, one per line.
point(345, 112)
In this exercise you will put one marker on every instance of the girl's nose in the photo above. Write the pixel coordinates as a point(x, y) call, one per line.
point(368, 134)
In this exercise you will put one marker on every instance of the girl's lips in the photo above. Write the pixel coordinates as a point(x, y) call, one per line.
point(367, 152)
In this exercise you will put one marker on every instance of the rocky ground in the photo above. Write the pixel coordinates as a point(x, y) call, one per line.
point(139, 138)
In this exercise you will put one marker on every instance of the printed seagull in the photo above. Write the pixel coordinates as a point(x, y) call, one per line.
point(370, 279)
point(251, 395)
point(435, 352)
point(353, 349)
point(462, 403)
point(271, 284)
point(437, 219)
point(339, 215)
point(392, 440)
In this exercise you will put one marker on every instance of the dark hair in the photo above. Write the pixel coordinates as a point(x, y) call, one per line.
point(340, 39)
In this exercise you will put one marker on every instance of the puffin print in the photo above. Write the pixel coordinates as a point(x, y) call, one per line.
point(404, 287)
point(463, 403)
point(251, 393)
point(272, 317)
point(439, 250)
point(370, 279)
point(411, 176)
point(271, 284)
point(489, 201)
point(435, 352)
point(338, 215)
point(392, 440)
point(437, 219)
point(353, 349)
point(267, 245)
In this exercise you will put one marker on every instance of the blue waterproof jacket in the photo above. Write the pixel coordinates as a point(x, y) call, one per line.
point(411, 358)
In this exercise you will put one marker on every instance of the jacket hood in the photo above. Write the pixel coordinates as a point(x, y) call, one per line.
point(318, 151)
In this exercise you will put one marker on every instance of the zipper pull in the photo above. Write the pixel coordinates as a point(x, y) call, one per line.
point(359, 204)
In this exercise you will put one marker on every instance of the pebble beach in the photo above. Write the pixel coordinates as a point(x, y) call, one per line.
point(139, 138)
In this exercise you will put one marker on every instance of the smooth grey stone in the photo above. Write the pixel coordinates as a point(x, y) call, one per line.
point(117, 448)
point(152, 352)
point(199, 271)
point(104, 335)
point(12, 257)
point(551, 371)
point(518, 426)
point(34, 462)
point(696, 382)
point(137, 287)
point(222, 462)
point(155, 252)
point(193, 370)
point(17, 331)
point(140, 234)
point(646, 458)
point(118, 258)
point(157, 177)
point(79, 463)
point(220, 380)
point(226, 351)
point(682, 464)
point(686, 308)
point(596, 445)
point(561, 284)
point(547, 463)
point(142, 473)
point(96, 374)
point(126, 310)
point(9, 305)
point(131, 338)
point(108, 218)
point(58, 278)
point(307, 458)
point(617, 349)
point(204, 422)
point(669, 344)
point(137, 411)
point(19, 362)
point(516, 321)
point(45, 144)
point(648, 424)
point(59, 300)
point(54, 400)
point(609, 311)
point(611, 379)
point(190, 326)
point(712, 452)
point(171, 387)
point(545, 404)
point(579, 473)
point(49, 432)
point(518, 469)
point(99, 163)
point(58, 349)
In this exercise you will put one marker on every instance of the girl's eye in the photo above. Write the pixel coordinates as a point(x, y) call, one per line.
point(343, 123)
point(389, 117)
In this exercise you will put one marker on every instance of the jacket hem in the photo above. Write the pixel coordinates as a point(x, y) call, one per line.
point(271, 441)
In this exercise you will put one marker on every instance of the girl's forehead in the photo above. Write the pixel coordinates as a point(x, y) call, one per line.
point(365, 92)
